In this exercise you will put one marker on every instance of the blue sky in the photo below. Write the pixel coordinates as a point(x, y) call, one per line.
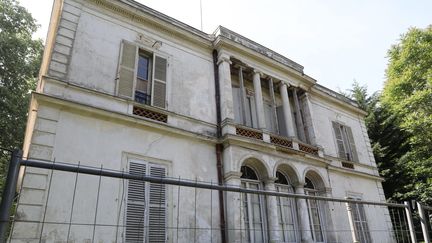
point(336, 41)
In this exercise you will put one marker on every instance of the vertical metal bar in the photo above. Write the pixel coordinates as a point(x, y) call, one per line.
point(18, 199)
point(211, 214)
point(73, 203)
point(410, 222)
point(120, 208)
point(195, 211)
point(400, 220)
point(9, 193)
point(178, 211)
point(423, 221)
point(394, 223)
point(46, 204)
point(97, 205)
point(351, 222)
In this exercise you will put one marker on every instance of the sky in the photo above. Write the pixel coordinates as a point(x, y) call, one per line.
point(337, 41)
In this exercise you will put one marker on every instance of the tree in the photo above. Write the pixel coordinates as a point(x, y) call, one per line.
point(388, 141)
point(408, 95)
point(20, 59)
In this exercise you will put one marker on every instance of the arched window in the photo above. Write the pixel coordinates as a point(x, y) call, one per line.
point(315, 211)
point(286, 209)
point(253, 207)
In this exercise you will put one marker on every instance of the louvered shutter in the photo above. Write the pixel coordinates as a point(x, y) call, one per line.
point(339, 140)
point(253, 112)
point(127, 70)
point(159, 81)
point(281, 121)
point(135, 205)
point(269, 117)
point(237, 105)
point(157, 207)
point(352, 144)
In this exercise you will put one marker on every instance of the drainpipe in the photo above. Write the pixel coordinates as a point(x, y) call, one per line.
point(219, 147)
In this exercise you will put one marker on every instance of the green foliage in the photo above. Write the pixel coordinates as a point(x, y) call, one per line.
point(20, 59)
point(388, 141)
point(408, 94)
point(399, 121)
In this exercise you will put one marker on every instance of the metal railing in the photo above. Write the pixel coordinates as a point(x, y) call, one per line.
point(72, 202)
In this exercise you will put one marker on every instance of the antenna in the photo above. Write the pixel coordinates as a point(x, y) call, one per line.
point(201, 15)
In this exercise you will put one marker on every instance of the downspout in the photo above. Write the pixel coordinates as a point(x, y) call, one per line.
point(219, 147)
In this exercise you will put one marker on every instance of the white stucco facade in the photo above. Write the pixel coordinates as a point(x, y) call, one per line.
point(78, 116)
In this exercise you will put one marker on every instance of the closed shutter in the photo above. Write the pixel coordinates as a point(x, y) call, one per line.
point(339, 140)
point(127, 69)
point(157, 207)
point(352, 144)
point(269, 117)
point(237, 105)
point(253, 113)
point(159, 81)
point(281, 121)
point(136, 204)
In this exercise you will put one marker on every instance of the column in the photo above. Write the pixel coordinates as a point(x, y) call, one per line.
point(234, 213)
point(299, 120)
point(286, 109)
point(310, 120)
point(303, 215)
point(226, 99)
point(258, 99)
point(272, 212)
point(273, 100)
point(245, 110)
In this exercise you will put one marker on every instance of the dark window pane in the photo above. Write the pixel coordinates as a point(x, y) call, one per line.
point(143, 64)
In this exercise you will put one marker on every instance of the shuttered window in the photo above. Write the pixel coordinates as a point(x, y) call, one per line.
point(142, 75)
point(146, 206)
point(345, 142)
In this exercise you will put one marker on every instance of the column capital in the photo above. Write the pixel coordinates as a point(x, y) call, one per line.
point(283, 83)
point(256, 71)
point(270, 180)
point(224, 57)
point(232, 175)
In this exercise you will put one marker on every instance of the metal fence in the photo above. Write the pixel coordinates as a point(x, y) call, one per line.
point(61, 202)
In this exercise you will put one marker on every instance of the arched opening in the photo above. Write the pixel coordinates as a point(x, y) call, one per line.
point(314, 186)
point(253, 206)
point(287, 209)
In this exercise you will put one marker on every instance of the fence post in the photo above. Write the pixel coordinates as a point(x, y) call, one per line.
point(423, 221)
point(410, 222)
point(351, 222)
point(9, 193)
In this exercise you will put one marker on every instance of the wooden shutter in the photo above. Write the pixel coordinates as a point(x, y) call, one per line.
point(135, 205)
point(269, 117)
point(237, 105)
point(157, 207)
point(339, 140)
point(281, 121)
point(159, 81)
point(253, 113)
point(354, 155)
point(127, 70)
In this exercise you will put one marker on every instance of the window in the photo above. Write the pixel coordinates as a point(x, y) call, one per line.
point(146, 205)
point(345, 142)
point(360, 222)
point(244, 114)
point(286, 209)
point(142, 75)
point(315, 212)
point(252, 207)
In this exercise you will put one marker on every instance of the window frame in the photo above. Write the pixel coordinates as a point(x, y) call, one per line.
point(246, 203)
point(281, 212)
point(147, 204)
point(361, 225)
point(346, 142)
point(320, 212)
